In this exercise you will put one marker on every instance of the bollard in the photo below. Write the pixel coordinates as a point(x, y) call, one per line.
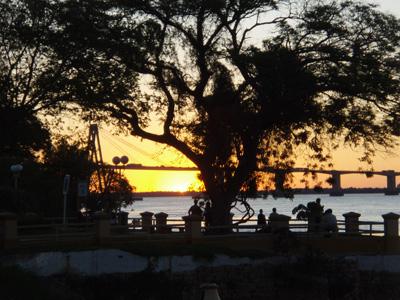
point(123, 218)
point(147, 222)
point(392, 241)
point(210, 291)
point(351, 221)
point(279, 223)
point(391, 223)
point(102, 227)
point(192, 227)
point(8, 231)
point(161, 223)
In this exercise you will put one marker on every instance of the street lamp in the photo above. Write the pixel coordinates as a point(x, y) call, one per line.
point(116, 160)
point(16, 170)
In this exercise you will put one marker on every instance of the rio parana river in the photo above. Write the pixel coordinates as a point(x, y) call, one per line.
point(370, 206)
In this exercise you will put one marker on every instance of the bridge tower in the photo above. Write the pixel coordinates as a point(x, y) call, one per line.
point(391, 183)
point(96, 157)
point(336, 184)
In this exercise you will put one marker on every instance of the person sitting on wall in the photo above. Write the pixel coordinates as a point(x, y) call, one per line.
point(329, 222)
point(195, 209)
point(273, 214)
point(261, 221)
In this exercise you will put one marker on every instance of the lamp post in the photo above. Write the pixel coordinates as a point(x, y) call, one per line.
point(116, 160)
point(16, 170)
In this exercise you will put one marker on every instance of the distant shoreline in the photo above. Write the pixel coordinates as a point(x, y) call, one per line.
point(296, 191)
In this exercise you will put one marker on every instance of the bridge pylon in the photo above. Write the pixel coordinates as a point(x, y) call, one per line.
point(96, 157)
point(336, 185)
point(391, 183)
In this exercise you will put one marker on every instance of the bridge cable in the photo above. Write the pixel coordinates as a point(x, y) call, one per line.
point(119, 148)
point(130, 145)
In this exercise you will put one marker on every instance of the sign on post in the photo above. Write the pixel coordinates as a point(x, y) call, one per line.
point(65, 192)
point(66, 184)
point(82, 188)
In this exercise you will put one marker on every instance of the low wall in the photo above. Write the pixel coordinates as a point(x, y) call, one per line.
point(109, 261)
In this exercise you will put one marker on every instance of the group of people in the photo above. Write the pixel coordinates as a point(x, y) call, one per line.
point(324, 220)
point(261, 219)
point(195, 209)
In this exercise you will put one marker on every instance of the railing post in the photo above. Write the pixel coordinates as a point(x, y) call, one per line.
point(351, 220)
point(123, 218)
point(161, 223)
point(8, 231)
point(193, 227)
point(391, 223)
point(279, 222)
point(392, 240)
point(147, 221)
point(102, 227)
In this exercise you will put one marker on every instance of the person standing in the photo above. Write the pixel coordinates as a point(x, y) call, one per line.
point(318, 213)
point(195, 209)
point(207, 215)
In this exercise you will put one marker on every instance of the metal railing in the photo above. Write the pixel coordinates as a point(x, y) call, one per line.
point(174, 228)
point(55, 232)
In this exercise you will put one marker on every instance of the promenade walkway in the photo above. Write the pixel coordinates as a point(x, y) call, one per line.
point(286, 235)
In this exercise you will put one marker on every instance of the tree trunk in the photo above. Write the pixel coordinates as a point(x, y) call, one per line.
point(221, 212)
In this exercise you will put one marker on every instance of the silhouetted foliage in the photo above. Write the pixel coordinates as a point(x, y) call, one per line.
point(326, 74)
point(118, 193)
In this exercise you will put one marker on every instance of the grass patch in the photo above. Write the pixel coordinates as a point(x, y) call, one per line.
point(18, 284)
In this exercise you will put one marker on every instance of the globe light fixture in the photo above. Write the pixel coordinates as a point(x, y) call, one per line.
point(16, 170)
point(124, 159)
point(116, 160)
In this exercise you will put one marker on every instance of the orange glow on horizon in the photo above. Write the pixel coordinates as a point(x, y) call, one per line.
point(155, 181)
point(146, 181)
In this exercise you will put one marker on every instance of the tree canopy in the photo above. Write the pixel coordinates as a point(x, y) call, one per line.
point(326, 72)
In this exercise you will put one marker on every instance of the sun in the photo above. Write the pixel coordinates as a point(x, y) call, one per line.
point(179, 187)
point(156, 181)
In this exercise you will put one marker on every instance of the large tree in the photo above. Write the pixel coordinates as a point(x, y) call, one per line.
point(327, 72)
point(31, 77)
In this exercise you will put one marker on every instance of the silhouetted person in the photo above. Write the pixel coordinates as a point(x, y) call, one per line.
point(273, 214)
point(318, 213)
point(261, 221)
point(329, 222)
point(261, 218)
point(207, 214)
point(195, 209)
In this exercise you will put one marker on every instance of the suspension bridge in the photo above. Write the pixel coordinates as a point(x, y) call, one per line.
point(95, 155)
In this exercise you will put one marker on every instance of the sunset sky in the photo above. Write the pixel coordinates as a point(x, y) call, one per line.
point(345, 159)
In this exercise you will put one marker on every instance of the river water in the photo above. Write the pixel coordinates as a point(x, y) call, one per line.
point(370, 206)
